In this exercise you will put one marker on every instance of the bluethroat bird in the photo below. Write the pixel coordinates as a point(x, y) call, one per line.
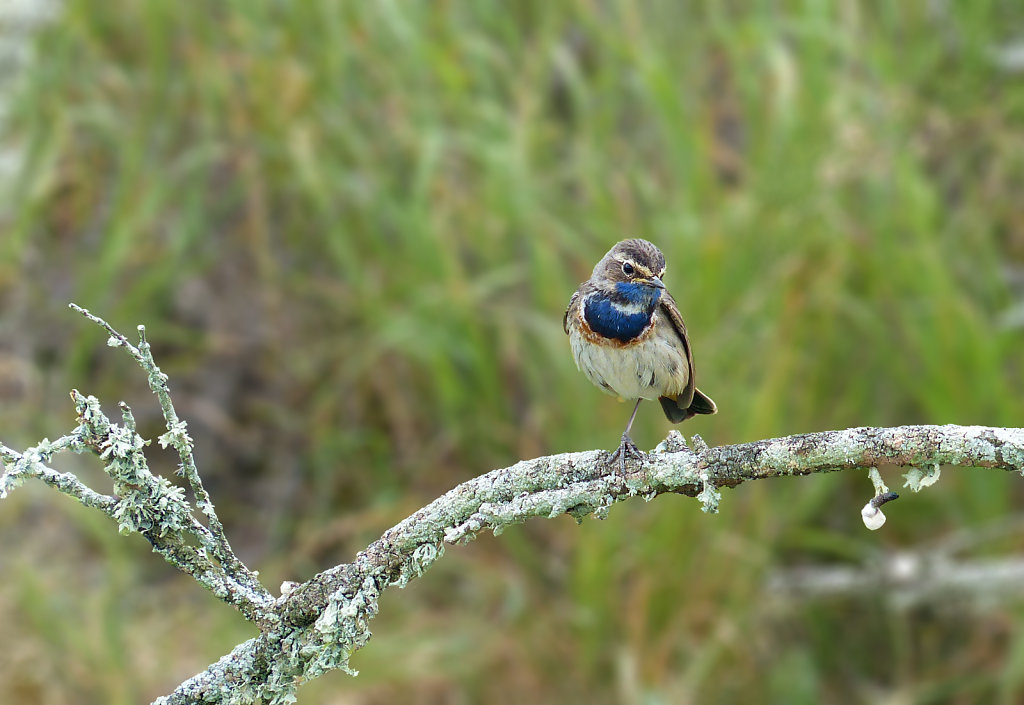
point(628, 337)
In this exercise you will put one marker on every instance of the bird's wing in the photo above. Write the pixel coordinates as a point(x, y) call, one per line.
point(572, 302)
point(671, 311)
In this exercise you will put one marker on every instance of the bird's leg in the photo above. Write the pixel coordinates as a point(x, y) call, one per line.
point(627, 446)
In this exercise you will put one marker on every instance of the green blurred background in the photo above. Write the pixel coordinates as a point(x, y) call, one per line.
point(352, 229)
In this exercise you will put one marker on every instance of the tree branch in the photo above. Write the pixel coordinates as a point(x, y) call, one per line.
point(177, 437)
point(314, 627)
point(325, 619)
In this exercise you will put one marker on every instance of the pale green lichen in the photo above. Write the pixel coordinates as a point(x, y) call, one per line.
point(341, 628)
point(674, 442)
point(177, 437)
point(709, 498)
point(601, 511)
point(876, 480)
point(16, 468)
point(11, 479)
point(918, 479)
point(93, 422)
point(417, 563)
point(1012, 440)
point(780, 455)
point(122, 442)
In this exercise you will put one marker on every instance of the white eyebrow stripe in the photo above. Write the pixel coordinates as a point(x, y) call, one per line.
point(643, 270)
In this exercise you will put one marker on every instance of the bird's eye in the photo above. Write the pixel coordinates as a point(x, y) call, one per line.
point(628, 269)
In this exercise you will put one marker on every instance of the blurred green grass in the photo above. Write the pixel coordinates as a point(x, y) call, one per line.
point(351, 229)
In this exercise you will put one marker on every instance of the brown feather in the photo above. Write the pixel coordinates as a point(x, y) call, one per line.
point(565, 318)
point(671, 311)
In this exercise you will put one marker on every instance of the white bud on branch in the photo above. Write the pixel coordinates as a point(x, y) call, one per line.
point(872, 514)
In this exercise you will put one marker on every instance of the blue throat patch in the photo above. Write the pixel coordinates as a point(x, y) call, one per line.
point(605, 317)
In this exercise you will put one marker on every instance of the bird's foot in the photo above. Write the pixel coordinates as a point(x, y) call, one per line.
point(626, 448)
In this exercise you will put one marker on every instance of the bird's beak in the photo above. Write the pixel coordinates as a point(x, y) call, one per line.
point(656, 282)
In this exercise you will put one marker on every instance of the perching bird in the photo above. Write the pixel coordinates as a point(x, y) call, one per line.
point(628, 337)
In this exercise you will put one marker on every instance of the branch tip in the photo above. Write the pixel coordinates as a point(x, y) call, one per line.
point(878, 500)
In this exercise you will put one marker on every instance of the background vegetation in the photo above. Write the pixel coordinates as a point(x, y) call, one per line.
point(352, 228)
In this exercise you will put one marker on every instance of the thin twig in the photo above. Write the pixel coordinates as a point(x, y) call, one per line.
point(177, 437)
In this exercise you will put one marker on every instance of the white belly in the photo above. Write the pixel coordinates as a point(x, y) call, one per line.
point(654, 367)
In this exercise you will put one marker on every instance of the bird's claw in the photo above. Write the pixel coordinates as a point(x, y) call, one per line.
point(626, 448)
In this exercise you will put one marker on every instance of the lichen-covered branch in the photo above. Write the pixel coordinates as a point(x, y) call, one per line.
point(315, 626)
point(32, 463)
point(177, 437)
point(325, 619)
point(142, 502)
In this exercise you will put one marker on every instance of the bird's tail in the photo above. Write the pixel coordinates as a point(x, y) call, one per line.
point(700, 404)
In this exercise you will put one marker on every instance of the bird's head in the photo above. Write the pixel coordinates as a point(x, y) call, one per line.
point(632, 262)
